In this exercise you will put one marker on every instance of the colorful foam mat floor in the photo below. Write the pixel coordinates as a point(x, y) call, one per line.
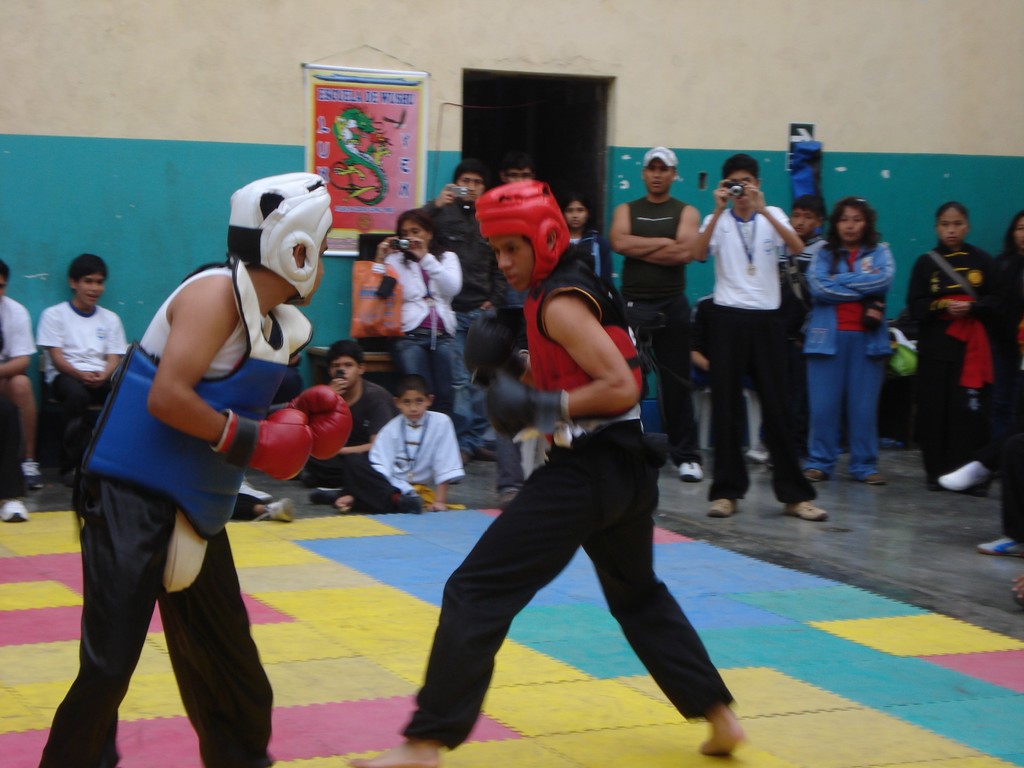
point(343, 610)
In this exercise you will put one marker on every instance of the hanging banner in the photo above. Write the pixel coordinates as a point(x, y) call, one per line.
point(367, 139)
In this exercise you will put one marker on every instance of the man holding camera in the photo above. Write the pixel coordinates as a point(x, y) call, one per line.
point(747, 337)
point(483, 288)
point(656, 235)
point(348, 473)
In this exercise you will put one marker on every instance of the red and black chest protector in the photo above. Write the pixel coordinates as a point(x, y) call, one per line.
point(552, 367)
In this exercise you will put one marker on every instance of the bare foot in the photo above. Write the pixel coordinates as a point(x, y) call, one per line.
point(344, 503)
point(726, 732)
point(412, 754)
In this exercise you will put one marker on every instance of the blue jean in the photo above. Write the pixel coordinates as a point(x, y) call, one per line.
point(470, 416)
point(413, 354)
point(853, 378)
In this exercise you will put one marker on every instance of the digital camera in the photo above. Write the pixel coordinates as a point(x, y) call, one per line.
point(735, 188)
point(401, 244)
point(460, 191)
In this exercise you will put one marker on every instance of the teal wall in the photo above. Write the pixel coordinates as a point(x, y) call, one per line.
point(155, 210)
point(905, 190)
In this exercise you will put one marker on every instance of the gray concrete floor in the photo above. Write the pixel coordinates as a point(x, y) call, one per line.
point(899, 540)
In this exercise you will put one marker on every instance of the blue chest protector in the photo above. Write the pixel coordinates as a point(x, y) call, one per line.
point(133, 446)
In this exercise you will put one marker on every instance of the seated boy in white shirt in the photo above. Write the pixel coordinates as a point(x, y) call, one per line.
point(417, 448)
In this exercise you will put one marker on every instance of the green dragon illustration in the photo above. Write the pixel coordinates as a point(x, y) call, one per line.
point(361, 173)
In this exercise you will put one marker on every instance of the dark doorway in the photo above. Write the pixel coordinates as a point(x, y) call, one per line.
point(559, 121)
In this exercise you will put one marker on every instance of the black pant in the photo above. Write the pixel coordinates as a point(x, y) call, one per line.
point(12, 484)
point(599, 495)
point(371, 491)
point(952, 421)
point(751, 342)
point(662, 330)
point(223, 685)
point(76, 427)
point(1013, 488)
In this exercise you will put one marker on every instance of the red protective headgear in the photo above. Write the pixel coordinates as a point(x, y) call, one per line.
point(529, 209)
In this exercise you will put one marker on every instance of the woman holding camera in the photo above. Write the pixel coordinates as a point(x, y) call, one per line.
point(429, 281)
point(847, 341)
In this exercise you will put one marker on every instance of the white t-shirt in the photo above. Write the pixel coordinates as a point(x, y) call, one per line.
point(85, 340)
point(424, 454)
point(17, 328)
point(741, 248)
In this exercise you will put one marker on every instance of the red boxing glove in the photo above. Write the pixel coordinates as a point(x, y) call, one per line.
point(279, 446)
point(329, 418)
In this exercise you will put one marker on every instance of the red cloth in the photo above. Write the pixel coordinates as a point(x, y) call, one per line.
point(850, 314)
point(977, 368)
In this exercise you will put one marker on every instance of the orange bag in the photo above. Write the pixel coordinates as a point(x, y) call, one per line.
point(376, 300)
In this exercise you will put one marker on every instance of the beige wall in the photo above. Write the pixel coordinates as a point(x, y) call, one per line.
point(933, 76)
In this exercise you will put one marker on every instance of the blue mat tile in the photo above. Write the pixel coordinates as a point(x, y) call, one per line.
point(779, 647)
point(576, 623)
point(992, 726)
point(828, 604)
point(879, 680)
point(603, 657)
point(717, 612)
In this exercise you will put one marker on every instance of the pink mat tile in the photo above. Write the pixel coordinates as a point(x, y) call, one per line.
point(22, 750)
point(1005, 668)
point(663, 536)
point(355, 726)
point(300, 733)
point(40, 625)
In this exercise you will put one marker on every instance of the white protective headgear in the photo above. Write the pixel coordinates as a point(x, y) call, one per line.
point(270, 216)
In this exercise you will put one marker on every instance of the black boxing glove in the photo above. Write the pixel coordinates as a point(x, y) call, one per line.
point(512, 406)
point(489, 348)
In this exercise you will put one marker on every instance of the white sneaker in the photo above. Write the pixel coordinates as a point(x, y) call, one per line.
point(967, 476)
point(758, 455)
point(283, 511)
point(690, 472)
point(33, 477)
point(13, 511)
point(261, 496)
point(1004, 546)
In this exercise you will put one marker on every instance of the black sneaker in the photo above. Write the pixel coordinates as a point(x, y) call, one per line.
point(326, 496)
point(410, 503)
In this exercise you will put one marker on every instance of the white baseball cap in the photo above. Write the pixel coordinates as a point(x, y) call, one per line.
point(666, 155)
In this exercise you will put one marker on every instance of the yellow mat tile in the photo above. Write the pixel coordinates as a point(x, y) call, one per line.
point(761, 692)
point(508, 753)
point(356, 605)
point(518, 665)
point(574, 706)
point(340, 527)
point(15, 714)
point(658, 746)
point(299, 683)
point(36, 594)
point(151, 696)
point(925, 635)
point(42, 700)
point(982, 761)
point(295, 642)
point(413, 638)
point(290, 578)
point(6, 551)
point(255, 553)
point(801, 739)
point(48, 533)
point(39, 662)
point(340, 761)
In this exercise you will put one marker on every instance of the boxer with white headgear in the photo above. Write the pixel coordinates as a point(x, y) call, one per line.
point(154, 499)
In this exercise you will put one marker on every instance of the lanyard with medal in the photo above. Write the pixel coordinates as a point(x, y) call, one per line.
point(747, 246)
point(406, 443)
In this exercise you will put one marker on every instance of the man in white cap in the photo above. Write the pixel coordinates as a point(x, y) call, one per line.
point(656, 234)
point(153, 498)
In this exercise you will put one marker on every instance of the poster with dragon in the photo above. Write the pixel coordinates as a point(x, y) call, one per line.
point(367, 140)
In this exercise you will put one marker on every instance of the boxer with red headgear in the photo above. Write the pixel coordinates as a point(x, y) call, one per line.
point(598, 490)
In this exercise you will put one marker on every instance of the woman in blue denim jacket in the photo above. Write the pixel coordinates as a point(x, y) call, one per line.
point(847, 341)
